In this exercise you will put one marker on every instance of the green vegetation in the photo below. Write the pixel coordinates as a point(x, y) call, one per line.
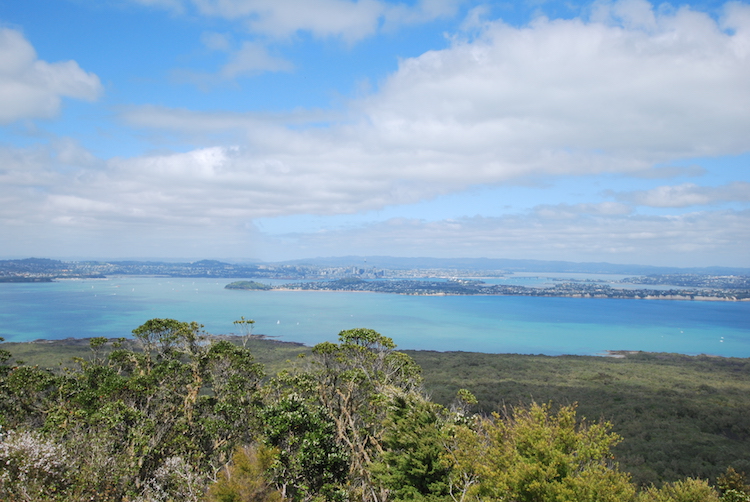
point(575, 289)
point(175, 414)
point(680, 415)
point(60, 354)
point(25, 279)
point(248, 285)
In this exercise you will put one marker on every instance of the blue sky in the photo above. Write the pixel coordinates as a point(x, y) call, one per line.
point(280, 129)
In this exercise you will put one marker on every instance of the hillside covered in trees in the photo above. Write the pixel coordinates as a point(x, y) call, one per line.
point(178, 415)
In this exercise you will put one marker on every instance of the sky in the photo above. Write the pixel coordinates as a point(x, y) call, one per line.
point(245, 130)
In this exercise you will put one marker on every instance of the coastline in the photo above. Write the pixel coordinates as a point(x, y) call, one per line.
point(519, 324)
point(66, 348)
point(543, 293)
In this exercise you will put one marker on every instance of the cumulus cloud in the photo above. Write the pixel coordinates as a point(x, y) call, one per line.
point(210, 186)
point(32, 88)
point(617, 94)
point(688, 194)
point(201, 203)
point(570, 95)
point(184, 204)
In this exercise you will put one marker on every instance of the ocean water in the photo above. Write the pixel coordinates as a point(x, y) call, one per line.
point(499, 324)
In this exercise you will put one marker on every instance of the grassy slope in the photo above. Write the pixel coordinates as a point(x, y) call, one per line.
point(679, 416)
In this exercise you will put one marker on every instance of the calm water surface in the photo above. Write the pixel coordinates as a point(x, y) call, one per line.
point(113, 307)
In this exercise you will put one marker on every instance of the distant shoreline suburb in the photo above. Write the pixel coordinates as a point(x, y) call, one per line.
point(474, 288)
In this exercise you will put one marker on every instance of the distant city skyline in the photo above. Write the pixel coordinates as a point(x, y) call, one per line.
point(266, 130)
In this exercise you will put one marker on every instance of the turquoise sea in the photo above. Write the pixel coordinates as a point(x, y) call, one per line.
point(115, 306)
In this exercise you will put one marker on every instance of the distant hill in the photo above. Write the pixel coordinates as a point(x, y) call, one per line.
point(390, 262)
point(214, 268)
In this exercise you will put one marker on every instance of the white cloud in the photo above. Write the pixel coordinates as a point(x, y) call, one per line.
point(175, 5)
point(351, 20)
point(664, 172)
point(187, 121)
point(71, 153)
point(688, 194)
point(568, 96)
point(216, 41)
point(201, 203)
point(564, 97)
point(253, 58)
point(32, 88)
point(569, 211)
point(423, 11)
point(690, 240)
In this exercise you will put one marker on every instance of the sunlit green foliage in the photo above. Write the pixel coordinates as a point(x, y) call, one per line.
point(534, 455)
point(688, 490)
point(246, 478)
point(733, 486)
point(354, 380)
point(177, 415)
point(679, 416)
point(178, 402)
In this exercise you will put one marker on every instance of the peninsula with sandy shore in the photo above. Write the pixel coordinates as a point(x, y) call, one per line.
point(478, 287)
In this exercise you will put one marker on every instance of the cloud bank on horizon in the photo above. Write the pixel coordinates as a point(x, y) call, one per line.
point(259, 129)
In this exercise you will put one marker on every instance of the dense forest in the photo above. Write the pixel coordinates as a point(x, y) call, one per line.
point(177, 415)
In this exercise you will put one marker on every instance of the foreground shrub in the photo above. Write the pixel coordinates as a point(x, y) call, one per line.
point(689, 490)
point(533, 455)
point(733, 487)
point(245, 478)
point(32, 468)
point(176, 479)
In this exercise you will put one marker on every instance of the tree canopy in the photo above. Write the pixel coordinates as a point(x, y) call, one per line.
point(187, 416)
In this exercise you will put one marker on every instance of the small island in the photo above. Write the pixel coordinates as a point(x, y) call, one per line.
point(248, 285)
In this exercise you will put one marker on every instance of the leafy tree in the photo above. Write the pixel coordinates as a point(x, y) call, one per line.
point(175, 479)
point(413, 465)
point(533, 455)
point(354, 380)
point(229, 412)
point(733, 486)
point(246, 325)
point(4, 358)
point(245, 478)
point(688, 490)
point(33, 468)
point(309, 461)
point(161, 422)
point(25, 393)
point(174, 411)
